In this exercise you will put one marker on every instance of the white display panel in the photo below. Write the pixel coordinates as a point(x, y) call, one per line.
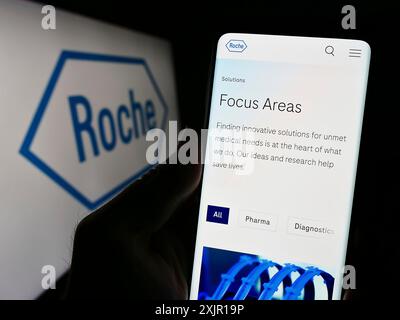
point(285, 120)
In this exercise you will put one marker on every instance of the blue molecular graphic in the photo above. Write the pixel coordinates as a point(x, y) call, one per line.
point(228, 275)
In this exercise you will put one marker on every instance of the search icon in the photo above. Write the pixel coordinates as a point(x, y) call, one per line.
point(329, 50)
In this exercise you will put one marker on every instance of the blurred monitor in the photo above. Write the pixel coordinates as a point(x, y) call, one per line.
point(76, 103)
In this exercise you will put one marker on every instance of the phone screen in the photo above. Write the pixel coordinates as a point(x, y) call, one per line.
point(280, 165)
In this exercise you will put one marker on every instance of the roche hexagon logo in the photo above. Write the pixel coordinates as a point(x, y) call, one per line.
point(236, 45)
point(88, 132)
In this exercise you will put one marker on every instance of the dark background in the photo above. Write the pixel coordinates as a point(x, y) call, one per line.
point(193, 28)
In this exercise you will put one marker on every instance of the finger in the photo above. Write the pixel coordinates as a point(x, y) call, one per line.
point(148, 203)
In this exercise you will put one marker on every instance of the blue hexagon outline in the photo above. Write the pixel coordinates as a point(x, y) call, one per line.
point(245, 45)
point(30, 135)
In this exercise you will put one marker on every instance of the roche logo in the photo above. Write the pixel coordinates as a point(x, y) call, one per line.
point(88, 132)
point(236, 45)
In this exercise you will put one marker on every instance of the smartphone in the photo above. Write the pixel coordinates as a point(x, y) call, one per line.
point(283, 138)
